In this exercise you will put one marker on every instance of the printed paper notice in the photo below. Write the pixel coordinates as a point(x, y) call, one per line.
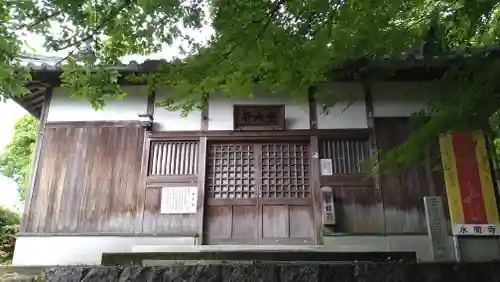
point(326, 167)
point(179, 200)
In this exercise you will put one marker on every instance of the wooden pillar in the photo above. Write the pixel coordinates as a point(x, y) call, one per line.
point(202, 172)
point(373, 145)
point(314, 170)
point(150, 110)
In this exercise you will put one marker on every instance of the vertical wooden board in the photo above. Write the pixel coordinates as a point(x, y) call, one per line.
point(85, 180)
point(125, 200)
point(402, 192)
point(275, 222)
point(97, 164)
point(85, 183)
point(56, 221)
point(74, 192)
point(48, 179)
point(218, 222)
point(245, 222)
point(358, 210)
point(301, 222)
point(40, 187)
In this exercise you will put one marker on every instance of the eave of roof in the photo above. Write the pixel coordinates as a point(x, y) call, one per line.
point(407, 68)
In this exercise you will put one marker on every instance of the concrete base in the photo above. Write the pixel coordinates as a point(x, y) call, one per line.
point(419, 244)
point(478, 249)
point(78, 250)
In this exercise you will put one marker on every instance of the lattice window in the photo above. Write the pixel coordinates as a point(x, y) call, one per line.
point(231, 171)
point(285, 171)
point(173, 158)
point(346, 155)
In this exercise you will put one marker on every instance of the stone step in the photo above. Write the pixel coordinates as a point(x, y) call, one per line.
point(144, 255)
point(225, 248)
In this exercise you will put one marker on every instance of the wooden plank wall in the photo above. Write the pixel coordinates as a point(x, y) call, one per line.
point(88, 181)
point(358, 206)
point(169, 163)
point(403, 192)
point(396, 206)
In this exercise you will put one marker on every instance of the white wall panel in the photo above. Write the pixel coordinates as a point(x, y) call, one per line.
point(172, 120)
point(77, 250)
point(402, 99)
point(348, 112)
point(220, 111)
point(64, 108)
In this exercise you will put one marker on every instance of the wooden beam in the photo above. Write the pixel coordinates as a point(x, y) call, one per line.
point(35, 161)
point(76, 124)
point(35, 100)
point(260, 135)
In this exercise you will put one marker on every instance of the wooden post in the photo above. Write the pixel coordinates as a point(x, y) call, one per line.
point(314, 169)
point(200, 210)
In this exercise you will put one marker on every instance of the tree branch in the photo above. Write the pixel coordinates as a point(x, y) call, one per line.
point(40, 20)
point(67, 56)
point(111, 16)
point(270, 16)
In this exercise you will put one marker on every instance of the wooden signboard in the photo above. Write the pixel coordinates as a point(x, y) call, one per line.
point(469, 184)
point(328, 205)
point(179, 200)
point(259, 117)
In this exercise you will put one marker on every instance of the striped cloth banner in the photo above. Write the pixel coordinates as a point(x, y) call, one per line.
point(469, 184)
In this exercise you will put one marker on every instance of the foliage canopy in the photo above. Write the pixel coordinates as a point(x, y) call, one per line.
point(286, 45)
point(16, 157)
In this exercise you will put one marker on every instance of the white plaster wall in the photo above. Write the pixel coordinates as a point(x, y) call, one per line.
point(220, 110)
point(348, 112)
point(165, 120)
point(73, 250)
point(402, 99)
point(64, 108)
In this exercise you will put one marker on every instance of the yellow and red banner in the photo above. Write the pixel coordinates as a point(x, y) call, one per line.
point(469, 184)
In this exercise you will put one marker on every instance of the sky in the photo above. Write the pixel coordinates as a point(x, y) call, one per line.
point(9, 113)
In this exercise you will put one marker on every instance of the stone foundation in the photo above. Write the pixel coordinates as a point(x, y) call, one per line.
point(289, 272)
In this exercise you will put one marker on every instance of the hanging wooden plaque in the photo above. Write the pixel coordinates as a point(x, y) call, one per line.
point(259, 117)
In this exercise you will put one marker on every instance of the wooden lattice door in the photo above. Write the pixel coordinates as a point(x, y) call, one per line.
point(258, 194)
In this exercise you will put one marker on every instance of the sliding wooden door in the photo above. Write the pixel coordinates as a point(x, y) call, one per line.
point(258, 193)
